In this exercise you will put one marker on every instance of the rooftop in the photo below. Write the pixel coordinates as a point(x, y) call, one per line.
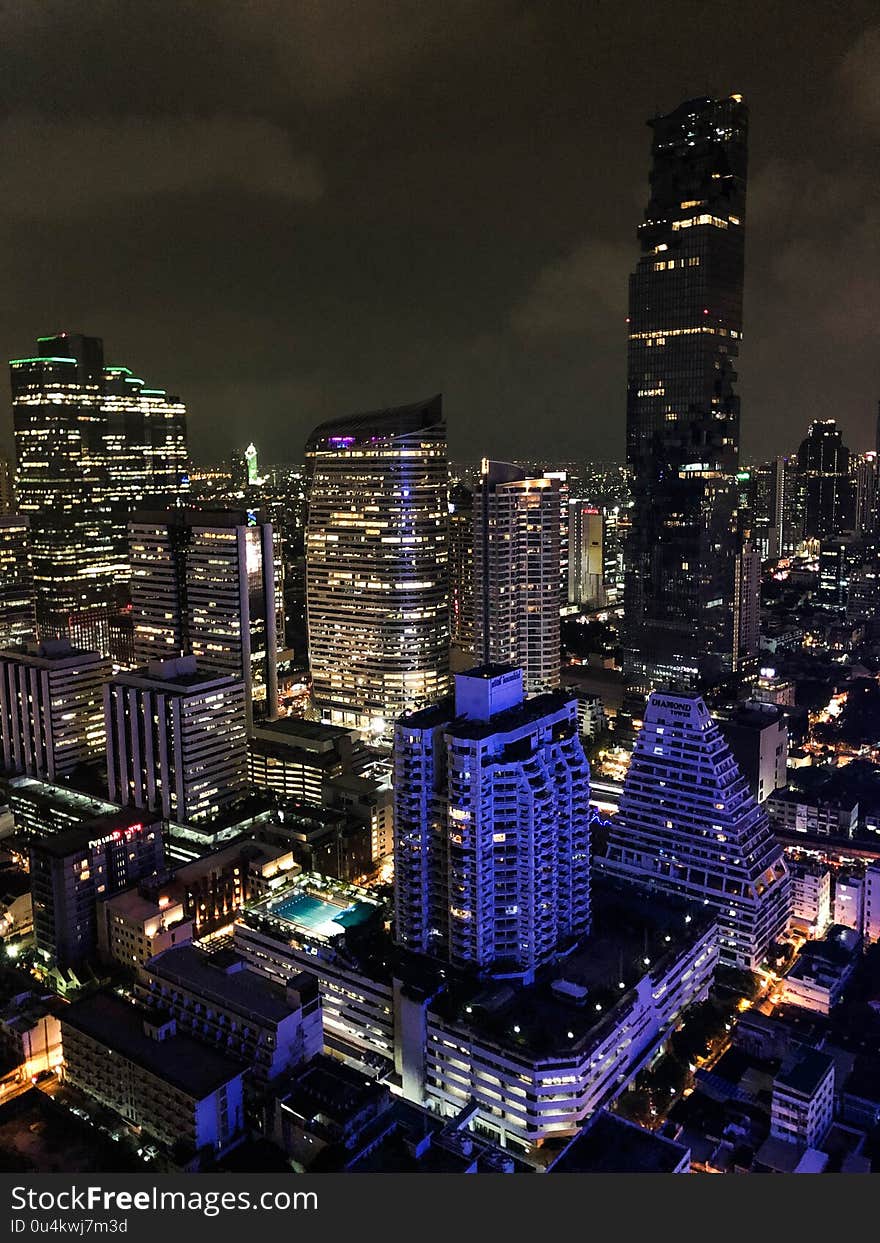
point(378, 424)
point(291, 729)
point(193, 1068)
point(803, 1072)
point(72, 841)
point(180, 673)
point(611, 1145)
point(224, 979)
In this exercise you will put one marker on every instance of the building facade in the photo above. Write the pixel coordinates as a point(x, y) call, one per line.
point(586, 554)
point(209, 583)
point(17, 618)
point(377, 565)
point(461, 569)
point(518, 532)
point(176, 739)
point(685, 327)
point(829, 494)
point(492, 826)
point(51, 708)
point(689, 824)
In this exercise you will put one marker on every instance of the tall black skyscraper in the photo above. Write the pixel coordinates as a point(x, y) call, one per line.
point(685, 325)
point(829, 493)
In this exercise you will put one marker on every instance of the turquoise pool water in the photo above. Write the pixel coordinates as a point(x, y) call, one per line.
point(320, 916)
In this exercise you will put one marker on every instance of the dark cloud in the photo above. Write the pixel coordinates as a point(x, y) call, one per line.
point(288, 209)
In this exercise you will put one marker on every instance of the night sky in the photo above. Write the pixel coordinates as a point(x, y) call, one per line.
point(286, 211)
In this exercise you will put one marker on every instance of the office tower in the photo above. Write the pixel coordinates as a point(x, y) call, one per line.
point(761, 489)
point(747, 602)
point(146, 451)
point(586, 554)
point(492, 826)
point(176, 740)
point(17, 622)
point(210, 583)
point(834, 558)
point(517, 532)
point(61, 482)
point(6, 493)
point(828, 492)
point(461, 569)
point(376, 564)
point(72, 870)
point(689, 824)
point(866, 479)
point(51, 708)
point(111, 443)
point(685, 325)
point(788, 505)
point(615, 531)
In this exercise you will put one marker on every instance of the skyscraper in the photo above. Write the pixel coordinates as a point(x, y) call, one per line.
point(461, 569)
point(829, 494)
point(586, 554)
point(492, 826)
point(6, 494)
point(684, 326)
point(376, 564)
point(17, 623)
point(176, 739)
point(209, 582)
point(865, 468)
point(51, 708)
point(91, 441)
point(517, 534)
point(689, 824)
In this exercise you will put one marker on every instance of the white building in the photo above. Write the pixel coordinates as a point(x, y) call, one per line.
point(688, 824)
point(811, 897)
point(218, 998)
point(849, 902)
point(210, 583)
point(822, 970)
point(176, 739)
point(492, 825)
point(177, 1090)
point(51, 708)
point(871, 928)
point(537, 1059)
point(803, 1098)
point(132, 928)
point(517, 550)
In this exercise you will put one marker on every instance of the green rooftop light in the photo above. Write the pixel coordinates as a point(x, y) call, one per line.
point(16, 362)
point(122, 370)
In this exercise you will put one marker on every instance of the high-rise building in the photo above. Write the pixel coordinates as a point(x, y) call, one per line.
point(834, 567)
point(492, 826)
point(51, 708)
point(461, 569)
point(747, 600)
point(828, 491)
point(176, 740)
point(210, 583)
point(517, 534)
point(72, 870)
point(17, 621)
point(377, 564)
point(685, 325)
point(586, 554)
point(6, 492)
point(866, 478)
point(689, 824)
point(91, 442)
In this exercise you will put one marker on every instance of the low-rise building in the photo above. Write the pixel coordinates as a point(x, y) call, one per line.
point(790, 811)
point(220, 999)
point(295, 758)
point(803, 1098)
point(849, 900)
point(536, 1060)
point(757, 733)
point(183, 1093)
point(133, 927)
point(811, 897)
point(822, 970)
point(30, 1034)
point(612, 1145)
point(16, 905)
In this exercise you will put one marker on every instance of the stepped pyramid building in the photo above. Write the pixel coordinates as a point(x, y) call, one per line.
point(688, 824)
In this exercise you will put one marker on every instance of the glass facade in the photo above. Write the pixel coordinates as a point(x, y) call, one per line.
point(685, 325)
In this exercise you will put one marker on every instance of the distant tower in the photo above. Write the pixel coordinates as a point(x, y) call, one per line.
point(492, 826)
point(253, 472)
point(828, 489)
point(17, 624)
point(461, 569)
point(688, 824)
point(377, 564)
point(684, 328)
point(517, 534)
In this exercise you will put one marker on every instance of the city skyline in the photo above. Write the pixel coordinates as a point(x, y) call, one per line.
point(542, 336)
